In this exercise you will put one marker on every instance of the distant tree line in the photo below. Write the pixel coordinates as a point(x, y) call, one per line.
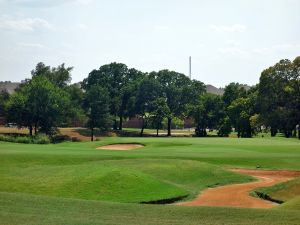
point(114, 93)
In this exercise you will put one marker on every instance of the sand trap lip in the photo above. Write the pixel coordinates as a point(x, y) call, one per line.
point(237, 195)
point(121, 147)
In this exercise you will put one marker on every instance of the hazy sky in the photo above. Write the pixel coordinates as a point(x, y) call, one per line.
point(231, 40)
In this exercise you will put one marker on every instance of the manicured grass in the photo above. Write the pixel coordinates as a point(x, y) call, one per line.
point(58, 170)
point(293, 204)
point(22, 209)
point(283, 191)
point(50, 177)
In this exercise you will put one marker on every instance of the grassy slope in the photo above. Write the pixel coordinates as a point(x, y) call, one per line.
point(81, 171)
point(292, 204)
point(283, 191)
point(165, 168)
point(21, 209)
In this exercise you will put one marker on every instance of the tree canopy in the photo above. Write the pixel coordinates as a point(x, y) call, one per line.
point(114, 93)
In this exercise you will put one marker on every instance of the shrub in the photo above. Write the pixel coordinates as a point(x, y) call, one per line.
point(225, 127)
point(22, 139)
point(38, 139)
point(41, 139)
point(75, 139)
point(58, 138)
point(176, 123)
point(6, 138)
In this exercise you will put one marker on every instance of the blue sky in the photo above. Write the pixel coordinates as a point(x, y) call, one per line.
point(231, 40)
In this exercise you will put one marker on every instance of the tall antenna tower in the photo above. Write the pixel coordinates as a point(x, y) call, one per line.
point(190, 67)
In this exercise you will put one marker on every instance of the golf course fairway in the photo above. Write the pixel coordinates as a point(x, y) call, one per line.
point(78, 183)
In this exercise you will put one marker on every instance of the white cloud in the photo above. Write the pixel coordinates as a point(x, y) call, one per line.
point(161, 28)
point(82, 26)
point(232, 28)
point(232, 51)
point(45, 3)
point(26, 24)
point(83, 2)
point(280, 48)
point(233, 43)
point(31, 45)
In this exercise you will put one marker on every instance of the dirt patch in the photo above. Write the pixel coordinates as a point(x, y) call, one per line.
point(237, 195)
point(121, 147)
point(73, 133)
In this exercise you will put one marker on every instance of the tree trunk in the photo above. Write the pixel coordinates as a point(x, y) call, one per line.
point(299, 131)
point(204, 132)
point(115, 123)
point(35, 128)
point(157, 127)
point(287, 133)
point(295, 132)
point(92, 134)
point(121, 122)
point(273, 132)
point(143, 125)
point(30, 130)
point(169, 126)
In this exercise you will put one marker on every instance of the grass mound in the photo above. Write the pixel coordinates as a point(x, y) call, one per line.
point(293, 204)
point(50, 184)
point(130, 180)
point(281, 192)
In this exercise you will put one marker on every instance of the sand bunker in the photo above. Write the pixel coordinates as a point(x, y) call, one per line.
point(121, 147)
point(237, 195)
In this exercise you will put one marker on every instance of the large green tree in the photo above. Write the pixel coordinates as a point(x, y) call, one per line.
point(60, 76)
point(160, 110)
point(121, 83)
point(232, 92)
point(278, 97)
point(4, 97)
point(39, 104)
point(97, 99)
point(240, 112)
point(76, 114)
point(207, 113)
point(128, 94)
point(294, 92)
point(148, 92)
point(179, 92)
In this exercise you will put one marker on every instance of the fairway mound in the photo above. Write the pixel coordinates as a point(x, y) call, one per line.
point(237, 195)
point(121, 147)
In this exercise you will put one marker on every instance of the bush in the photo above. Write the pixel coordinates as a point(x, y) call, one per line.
point(225, 127)
point(176, 123)
point(6, 138)
point(60, 138)
point(22, 139)
point(75, 139)
point(38, 139)
point(41, 139)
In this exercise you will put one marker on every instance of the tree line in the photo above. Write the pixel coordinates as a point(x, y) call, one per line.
point(114, 93)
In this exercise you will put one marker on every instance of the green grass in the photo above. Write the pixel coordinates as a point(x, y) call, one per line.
point(22, 209)
point(283, 191)
point(82, 181)
point(58, 170)
point(293, 204)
